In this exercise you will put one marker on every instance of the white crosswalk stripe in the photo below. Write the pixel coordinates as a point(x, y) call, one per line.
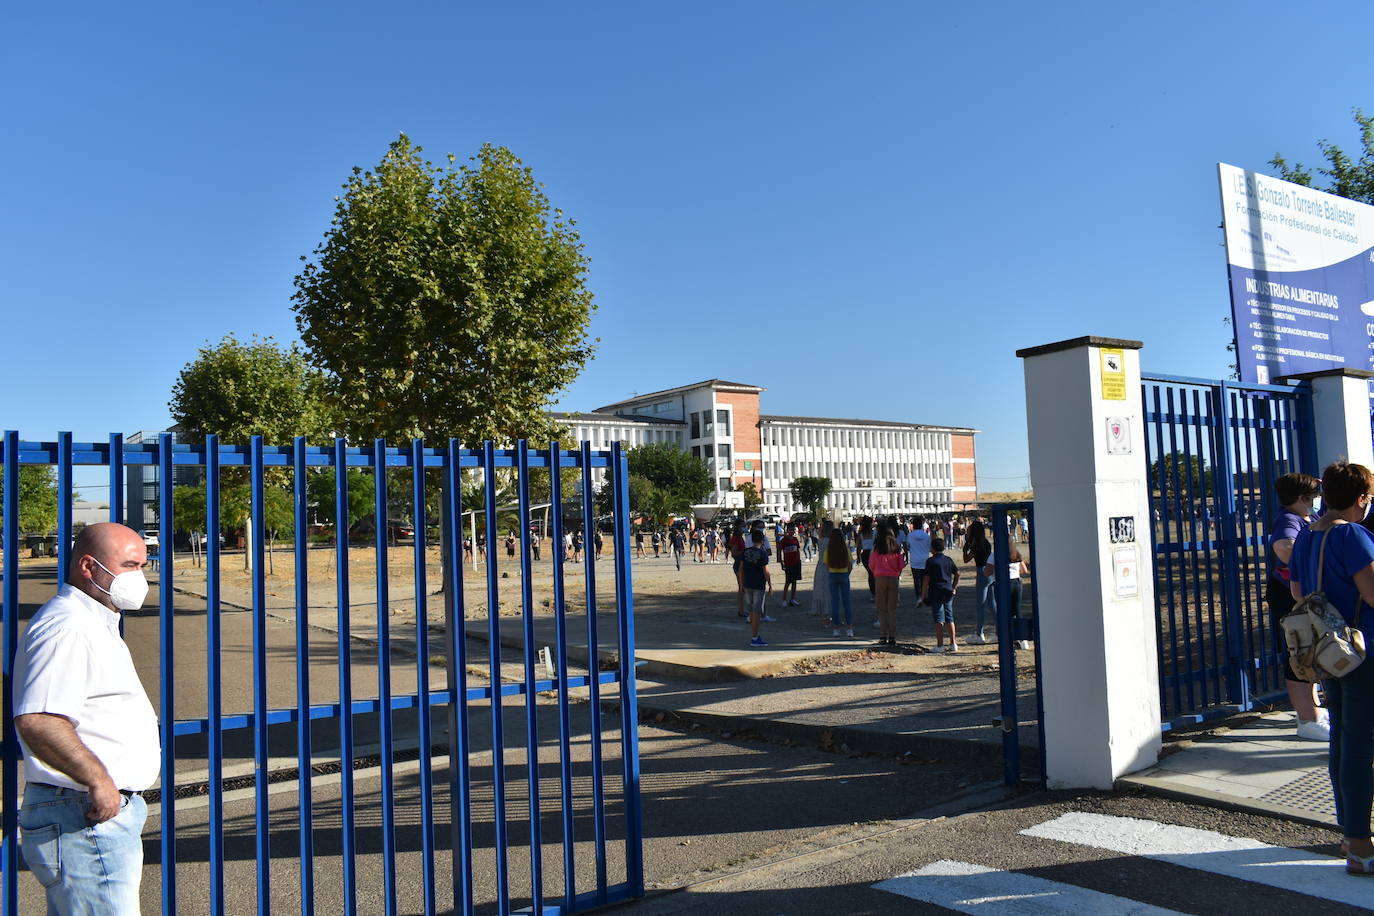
point(968, 888)
point(1248, 860)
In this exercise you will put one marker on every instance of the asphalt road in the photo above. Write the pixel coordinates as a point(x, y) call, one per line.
point(1004, 871)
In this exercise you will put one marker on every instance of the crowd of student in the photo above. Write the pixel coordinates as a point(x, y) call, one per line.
point(886, 548)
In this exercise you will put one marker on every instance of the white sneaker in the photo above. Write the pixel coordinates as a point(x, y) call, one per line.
point(849, 631)
point(1023, 644)
point(952, 647)
point(976, 640)
point(1316, 730)
point(834, 632)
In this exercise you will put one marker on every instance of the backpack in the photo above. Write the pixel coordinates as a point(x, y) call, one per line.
point(1320, 643)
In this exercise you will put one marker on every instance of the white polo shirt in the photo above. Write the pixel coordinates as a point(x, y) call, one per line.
point(73, 663)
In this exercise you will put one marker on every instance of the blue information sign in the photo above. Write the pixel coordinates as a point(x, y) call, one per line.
point(1302, 276)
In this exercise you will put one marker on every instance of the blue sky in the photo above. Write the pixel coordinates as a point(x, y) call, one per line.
point(864, 207)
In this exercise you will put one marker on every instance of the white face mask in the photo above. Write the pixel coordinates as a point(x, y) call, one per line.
point(127, 590)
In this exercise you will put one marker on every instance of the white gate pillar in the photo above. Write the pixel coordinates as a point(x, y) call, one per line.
point(1340, 416)
point(1098, 639)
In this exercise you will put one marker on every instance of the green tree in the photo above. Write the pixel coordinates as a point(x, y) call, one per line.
point(1346, 177)
point(37, 498)
point(446, 301)
point(1190, 472)
point(239, 390)
point(811, 492)
point(662, 476)
point(362, 495)
point(752, 498)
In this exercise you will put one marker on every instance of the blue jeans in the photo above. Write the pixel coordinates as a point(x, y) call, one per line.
point(839, 597)
point(983, 594)
point(86, 869)
point(1350, 702)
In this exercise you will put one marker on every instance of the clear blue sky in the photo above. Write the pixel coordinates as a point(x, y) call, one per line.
point(865, 207)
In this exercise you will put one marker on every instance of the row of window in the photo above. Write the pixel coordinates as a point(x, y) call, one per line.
point(707, 424)
point(881, 471)
point(908, 440)
point(603, 436)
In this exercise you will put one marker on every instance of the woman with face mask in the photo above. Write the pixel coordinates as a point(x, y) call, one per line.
point(1336, 555)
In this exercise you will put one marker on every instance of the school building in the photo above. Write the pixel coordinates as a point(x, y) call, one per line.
point(876, 466)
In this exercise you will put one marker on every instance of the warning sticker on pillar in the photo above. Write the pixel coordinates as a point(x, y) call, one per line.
point(1113, 375)
point(1125, 570)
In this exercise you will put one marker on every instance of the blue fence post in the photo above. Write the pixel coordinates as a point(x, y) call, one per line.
point(560, 622)
point(214, 666)
point(498, 747)
point(304, 783)
point(1224, 487)
point(260, 748)
point(455, 646)
point(10, 776)
point(116, 478)
point(381, 530)
point(420, 518)
point(167, 655)
point(345, 626)
point(629, 704)
point(522, 457)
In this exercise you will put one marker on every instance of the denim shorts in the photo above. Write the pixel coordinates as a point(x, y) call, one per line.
point(943, 611)
point(83, 867)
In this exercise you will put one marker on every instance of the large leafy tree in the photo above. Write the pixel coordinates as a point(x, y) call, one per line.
point(1177, 470)
point(239, 389)
point(446, 301)
point(1345, 176)
point(811, 492)
point(664, 480)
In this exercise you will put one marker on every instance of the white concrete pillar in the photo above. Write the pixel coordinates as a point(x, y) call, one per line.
point(1098, 645)
point(1340, 416)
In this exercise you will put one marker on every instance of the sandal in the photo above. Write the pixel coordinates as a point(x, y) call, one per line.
point(1362, 866)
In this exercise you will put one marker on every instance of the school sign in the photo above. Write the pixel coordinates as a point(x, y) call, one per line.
point(1301, 266)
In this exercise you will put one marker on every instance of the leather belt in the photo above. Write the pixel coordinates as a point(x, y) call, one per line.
point(127, 793)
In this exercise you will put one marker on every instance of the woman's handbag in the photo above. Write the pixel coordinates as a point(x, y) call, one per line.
point(1320, 643)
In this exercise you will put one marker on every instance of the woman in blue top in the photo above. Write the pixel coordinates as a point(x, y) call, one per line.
point(1347, 578)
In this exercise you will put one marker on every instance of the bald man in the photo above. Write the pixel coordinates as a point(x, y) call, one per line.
point(88, 732)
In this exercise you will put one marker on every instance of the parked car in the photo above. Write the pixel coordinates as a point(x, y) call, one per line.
point(399, 529)
point(150, 541)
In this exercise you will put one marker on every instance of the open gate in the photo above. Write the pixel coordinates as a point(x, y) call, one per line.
point(1213, 451)
point(532, 784)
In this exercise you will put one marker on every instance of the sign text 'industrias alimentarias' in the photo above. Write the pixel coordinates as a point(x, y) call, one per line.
point(1302, 276)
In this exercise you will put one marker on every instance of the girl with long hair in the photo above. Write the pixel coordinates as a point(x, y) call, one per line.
point(885, 565)
point(839, 562)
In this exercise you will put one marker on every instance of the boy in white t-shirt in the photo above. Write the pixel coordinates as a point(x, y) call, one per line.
point(917, 551)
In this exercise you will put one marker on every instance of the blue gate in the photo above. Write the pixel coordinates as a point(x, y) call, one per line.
point(1014, 626)
point(1213, 451)
point(579, 842)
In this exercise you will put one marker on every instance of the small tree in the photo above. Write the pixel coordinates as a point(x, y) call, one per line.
point(811, 492)
point(1178, 469)
point(37, 498)
point(752, 499)
point(239, 390)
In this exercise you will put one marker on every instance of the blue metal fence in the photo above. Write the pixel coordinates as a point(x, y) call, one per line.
point(1013, 626)
point(1213, 451)
point(471, 887)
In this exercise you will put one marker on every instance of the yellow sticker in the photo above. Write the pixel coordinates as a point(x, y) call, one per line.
point(1113, 375)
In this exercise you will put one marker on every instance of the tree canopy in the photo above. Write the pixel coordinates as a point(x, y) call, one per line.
point(672, 470)
point(239, 390)
point(811, 491)
point(1346, 177)
point(446, 301)
point(37, 498)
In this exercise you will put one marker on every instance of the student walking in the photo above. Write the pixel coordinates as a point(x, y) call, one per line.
point(938, 588)
point(639, 543)
point(678, 541)
point(658, 544)
point(755, 582)
point(712, 547)
point(839, 562)
point(886, 564)
point(789, 555)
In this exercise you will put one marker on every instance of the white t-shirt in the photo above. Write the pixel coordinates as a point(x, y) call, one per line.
point(918, 548)
point(72, 663)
